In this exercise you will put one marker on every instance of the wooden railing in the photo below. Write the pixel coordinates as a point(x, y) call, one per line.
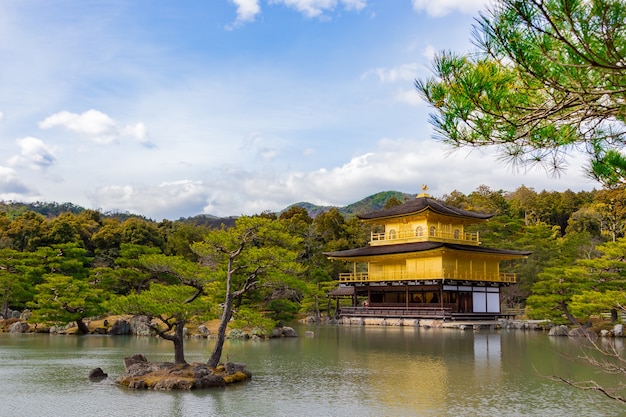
point(397, 312)
point(410, 236)
point(507, 277)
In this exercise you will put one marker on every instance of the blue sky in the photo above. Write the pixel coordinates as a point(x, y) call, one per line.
point(175, 108)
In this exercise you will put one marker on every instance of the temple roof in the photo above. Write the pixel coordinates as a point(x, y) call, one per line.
point(345, 291)
point(420, 204)
point(419, 247)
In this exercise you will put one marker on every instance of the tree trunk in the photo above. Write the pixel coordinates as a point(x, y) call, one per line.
point(179, 340)
point(82, 327)
point(569, 315)
point(5, 308)
point(214, 360)
point(318, 313)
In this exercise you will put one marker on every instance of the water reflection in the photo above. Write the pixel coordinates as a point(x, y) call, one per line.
point(487, 358)
point(342, 371)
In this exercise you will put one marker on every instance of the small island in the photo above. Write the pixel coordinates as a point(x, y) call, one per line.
point(141, 374)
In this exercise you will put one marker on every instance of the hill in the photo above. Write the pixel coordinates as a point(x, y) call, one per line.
point(371, 203)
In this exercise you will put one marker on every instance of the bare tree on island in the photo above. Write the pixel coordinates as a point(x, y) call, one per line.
point(256, 252)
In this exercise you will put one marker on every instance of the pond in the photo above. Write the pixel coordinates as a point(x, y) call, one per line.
point(341, 371)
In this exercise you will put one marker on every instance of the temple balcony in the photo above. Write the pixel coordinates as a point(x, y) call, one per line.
point(506, 277)
point(392, 238)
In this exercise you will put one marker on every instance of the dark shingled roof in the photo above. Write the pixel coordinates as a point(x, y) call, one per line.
point(342, 292)
point(420, 204)
point(419, 247)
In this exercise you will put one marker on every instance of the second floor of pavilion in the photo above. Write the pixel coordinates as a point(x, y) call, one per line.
point(423, 219)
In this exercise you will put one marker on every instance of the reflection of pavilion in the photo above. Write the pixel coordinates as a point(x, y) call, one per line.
point(420, 377)
point(487, 356)
point(422, 262)
point(419, 385)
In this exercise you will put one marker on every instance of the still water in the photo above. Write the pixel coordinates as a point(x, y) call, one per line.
point(342, 371)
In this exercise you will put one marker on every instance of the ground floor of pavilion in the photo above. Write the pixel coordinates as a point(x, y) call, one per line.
point(431, 299)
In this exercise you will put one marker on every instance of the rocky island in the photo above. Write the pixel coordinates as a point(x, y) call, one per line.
point(141, 374)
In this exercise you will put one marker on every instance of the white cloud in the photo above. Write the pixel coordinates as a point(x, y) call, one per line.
point(439, 8)
point(400, 164)
point(137, 131)
point(316, 8)
point(429, 53)
point(167, 200)
point(200, 94)
point(247, 10)
point(95, 126)
point(34, 153)
point(405, 72)
point(354, 4)
point(410, 97)
point(11, 188)
point(260, 146)
point(403, 165)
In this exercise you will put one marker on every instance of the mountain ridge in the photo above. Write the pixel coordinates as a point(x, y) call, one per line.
point(370, 203)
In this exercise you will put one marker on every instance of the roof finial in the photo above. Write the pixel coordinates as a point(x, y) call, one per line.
point(423, 193)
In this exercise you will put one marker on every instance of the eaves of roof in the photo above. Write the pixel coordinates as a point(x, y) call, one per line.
point(419, 247)
point(421, 204)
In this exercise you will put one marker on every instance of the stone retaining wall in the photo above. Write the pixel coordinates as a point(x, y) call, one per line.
point(532, 325)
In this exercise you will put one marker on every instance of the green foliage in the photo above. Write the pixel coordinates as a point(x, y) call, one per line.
point(593, 303)
point(16, 209)
point(60, 299)
point(162, 301)
point(553, 292)
point(108, 237)
point(591, 286)
point(375, 202)
point(368, 204)
point(548, 77)
point(282, 309)
point(257, 252)
point(140, 232)
point(251, 318)
point(88, 250)
point(63, 291)
point(179, 236)
point(27, 231)
point(315, 300)
point(15, 286)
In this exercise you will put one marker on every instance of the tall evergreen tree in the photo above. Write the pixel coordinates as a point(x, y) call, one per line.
point(548, 77)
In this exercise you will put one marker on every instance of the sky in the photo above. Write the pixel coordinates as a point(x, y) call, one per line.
point(171, 109)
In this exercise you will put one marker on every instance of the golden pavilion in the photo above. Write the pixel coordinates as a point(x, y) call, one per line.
point(421, 262)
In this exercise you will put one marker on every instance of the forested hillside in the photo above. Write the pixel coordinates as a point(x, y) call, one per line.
point(370, 203)
point(67, 263)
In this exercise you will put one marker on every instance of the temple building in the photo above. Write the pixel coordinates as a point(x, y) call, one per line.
point(421, 262)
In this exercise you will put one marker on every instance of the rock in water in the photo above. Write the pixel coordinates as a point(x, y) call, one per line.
point(131, 360)
point(120, 327)
point(97, 374)
point(19, 327)
point(289, 332)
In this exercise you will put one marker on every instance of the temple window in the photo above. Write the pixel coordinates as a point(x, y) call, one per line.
point(392, 234)
point(433, 230)
point(419, 231)
point(457, 233)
